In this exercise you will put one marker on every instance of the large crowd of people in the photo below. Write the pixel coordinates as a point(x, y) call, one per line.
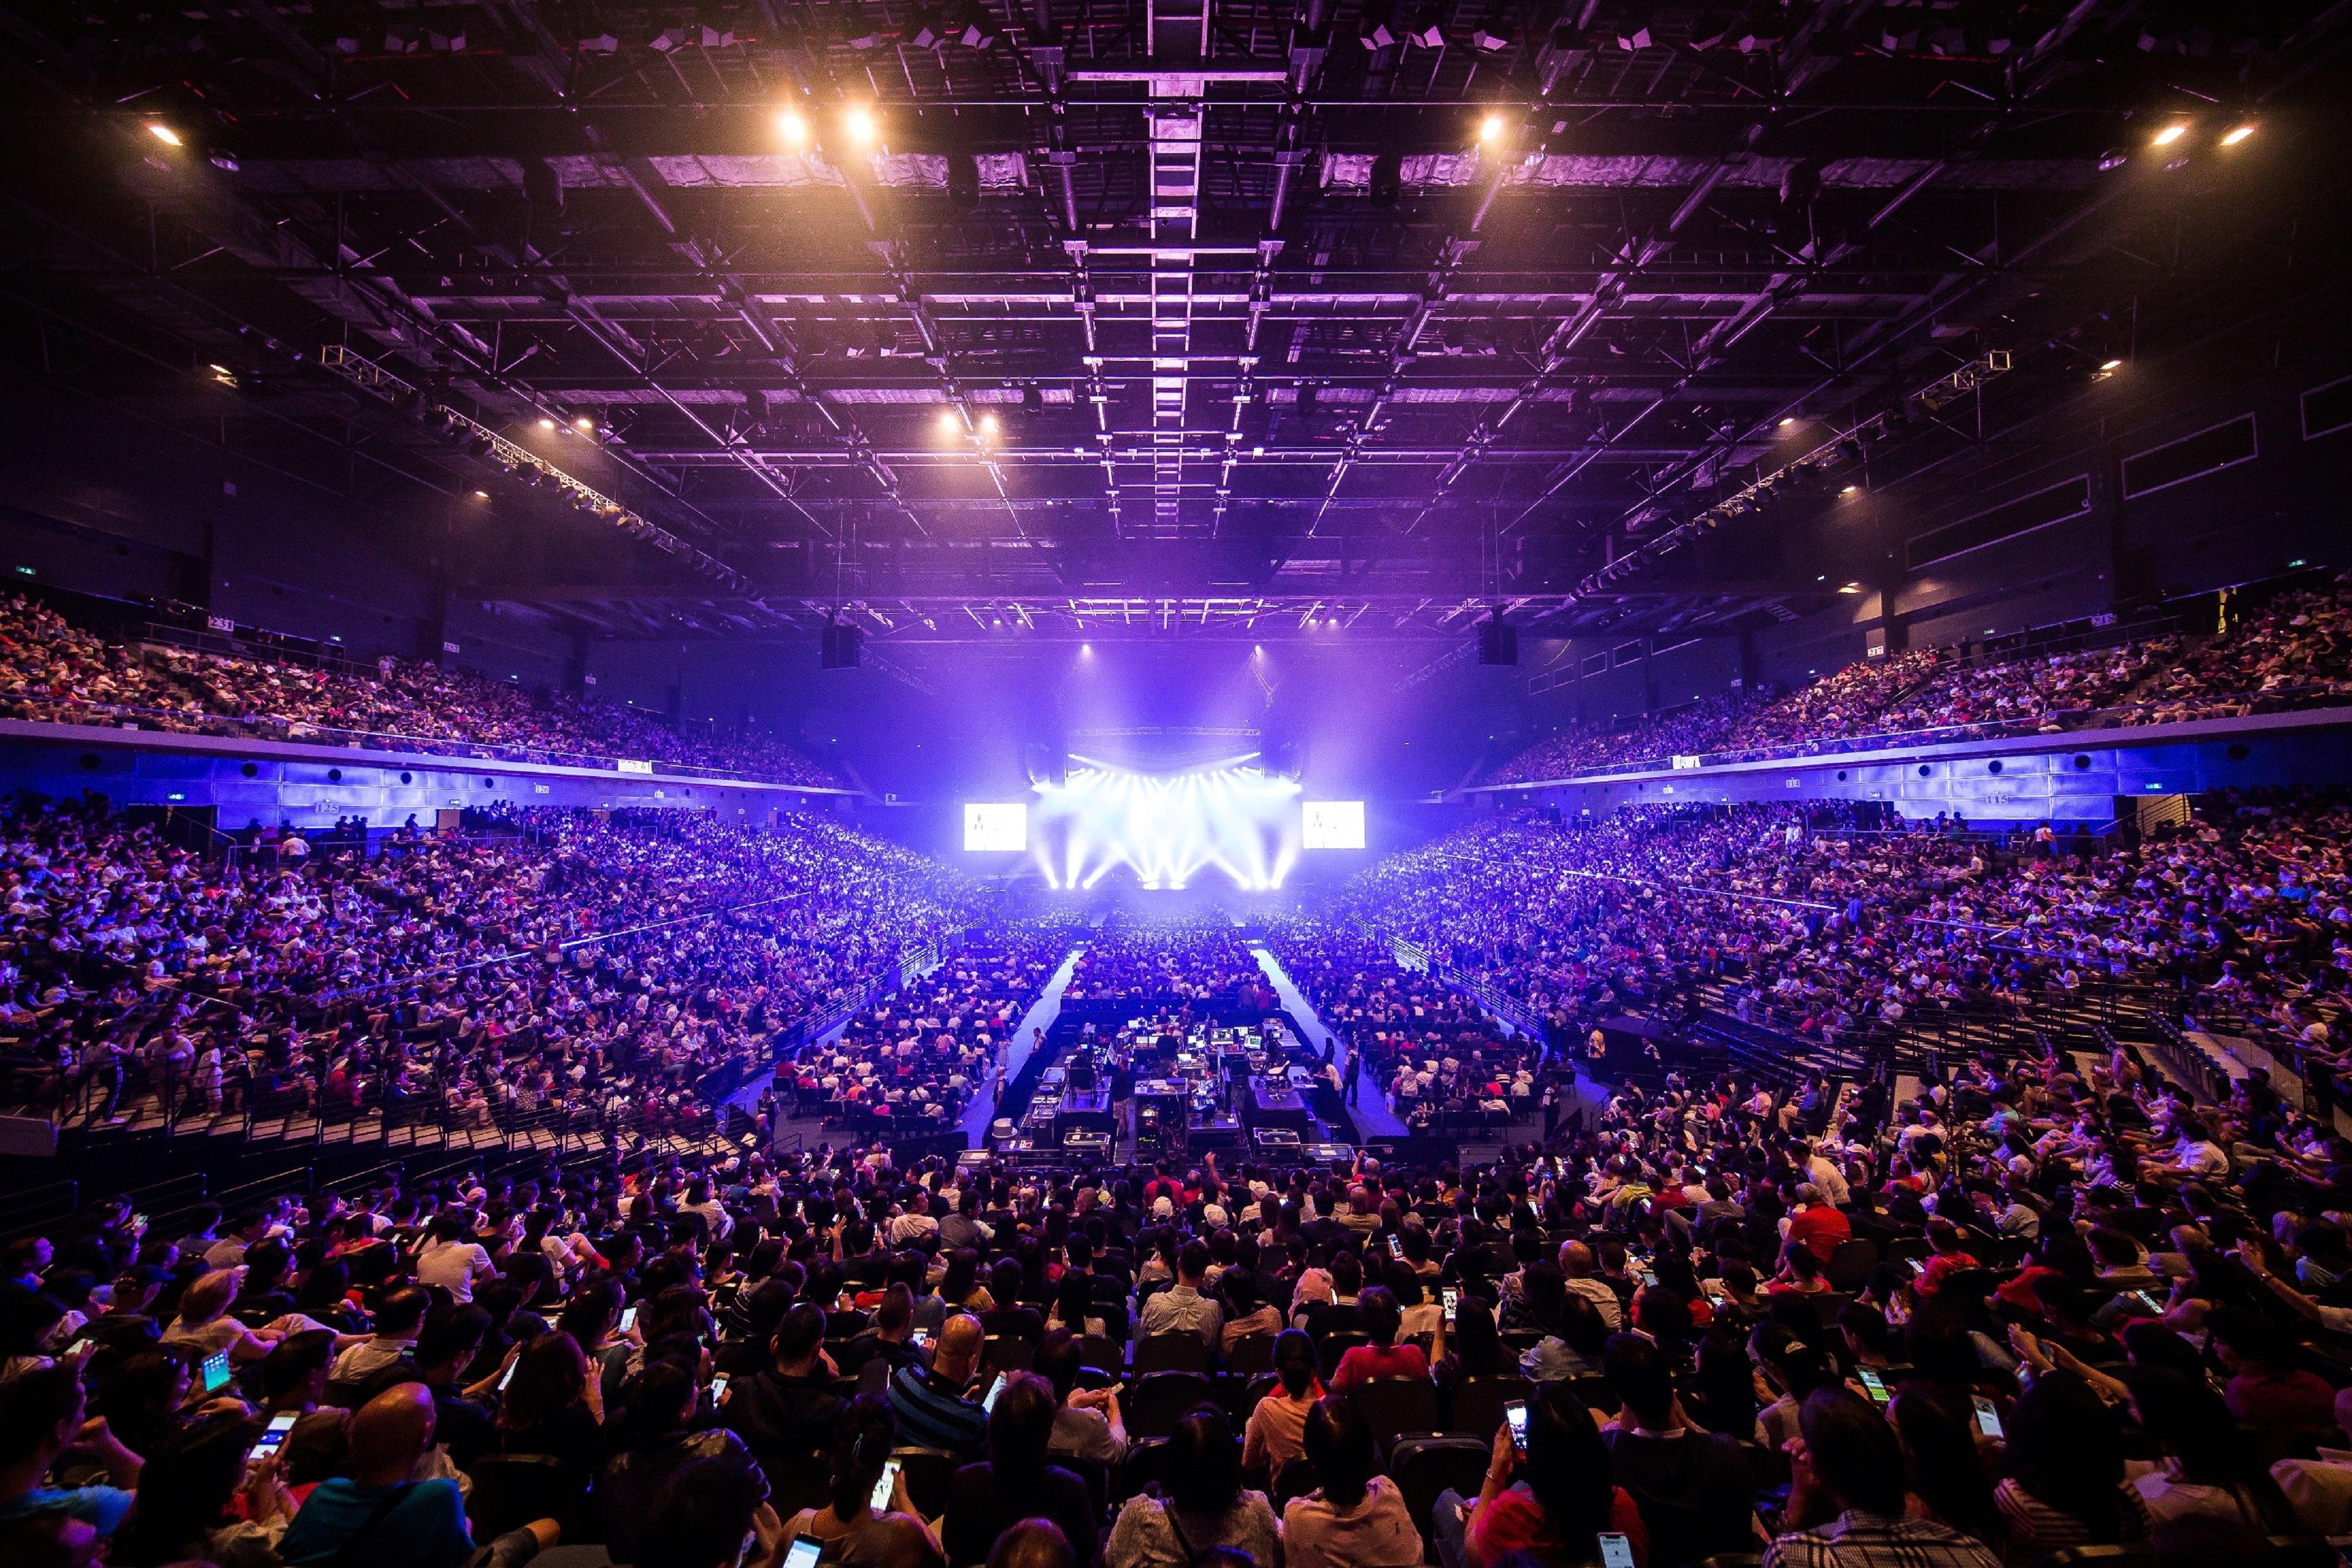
point(916, 1058)
point(1444, 1063)
point(2047, 1303)
point(2295, 650)
point(52, 669)
point(1841, 925)
point(589, 966)
point(1189, 957)
point(2006, 1301)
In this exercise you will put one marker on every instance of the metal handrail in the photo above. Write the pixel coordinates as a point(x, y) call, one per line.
point(2213, 705)
point(175, 721)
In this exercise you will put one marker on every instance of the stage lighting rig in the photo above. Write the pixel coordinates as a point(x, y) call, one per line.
point(376, 380)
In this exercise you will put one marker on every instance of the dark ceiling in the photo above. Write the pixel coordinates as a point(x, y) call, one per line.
point(1087, 313)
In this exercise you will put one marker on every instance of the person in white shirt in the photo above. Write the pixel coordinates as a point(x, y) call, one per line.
point(452, 1259)
point(398, 1322)
point(1824, 1174)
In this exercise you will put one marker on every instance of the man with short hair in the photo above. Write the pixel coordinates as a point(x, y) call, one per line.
point(245, 1230)
point(1182, 1308)
point(399, 1319)
point(786, 1412)
point(1691, 1485)
point(1852, 1475)
point(932, 1403)
point(1581, 1269)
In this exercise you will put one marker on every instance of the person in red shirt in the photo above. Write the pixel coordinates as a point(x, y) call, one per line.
point(1818, 1226)
point(2266, 1388)
point(1949, 1257)
point(1377, 1306)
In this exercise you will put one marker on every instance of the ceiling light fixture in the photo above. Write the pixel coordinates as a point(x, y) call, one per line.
point(163, 133)
point(546, 424)
point(2172, 132)
point(858, 123)
point(2112, 366)
point(2235, 136)
point(1490, 130)
point(792, 126)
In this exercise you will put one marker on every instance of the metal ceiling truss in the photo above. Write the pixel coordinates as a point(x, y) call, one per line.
point(1201, 303)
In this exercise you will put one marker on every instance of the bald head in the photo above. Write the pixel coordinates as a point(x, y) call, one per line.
point(1032, 1543)
point(390, 1433)
point(1575, 1259)
point(959, 1351)
point(893, 1541)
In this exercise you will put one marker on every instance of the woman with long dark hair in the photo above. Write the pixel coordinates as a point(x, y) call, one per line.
point(2065, 1482)
point(657, 1440)
point(1357, 1518)
point(1722, 1395)
point(1947, 1473)
point(1469, 1347)
point(1553, 1502)
point(182, 1507)
point(1277, 1433)
point(2208, 1471)
point(862, 1440)
point(1205, 1508)
point(1018, 1480)
point(553, 1406)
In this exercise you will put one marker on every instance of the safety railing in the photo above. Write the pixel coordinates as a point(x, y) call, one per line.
point(304, 732)
point(2133, 715)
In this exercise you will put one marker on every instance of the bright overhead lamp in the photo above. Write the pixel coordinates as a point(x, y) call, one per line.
point(1851, 491)
point(792, 126)
point(583, 423)
point(1490, 130)
point(163, 133)
point(481, 495)
point(949, 423)
point(988, 427)
point(2232, 137)
point(2112, 366)
point(2171, 134)
point(858, 124)
point(546, 424)
point(1788, 421)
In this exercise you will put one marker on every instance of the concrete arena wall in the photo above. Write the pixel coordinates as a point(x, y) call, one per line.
point(2036, 780)
point(274, 781)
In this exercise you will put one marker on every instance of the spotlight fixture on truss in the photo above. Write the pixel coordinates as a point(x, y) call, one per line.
point(535, 470)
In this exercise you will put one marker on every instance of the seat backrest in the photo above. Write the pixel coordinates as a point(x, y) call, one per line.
point(1391, 1405)
point(1156, 1401)
point(1002, 1352)
point(1850, 1264)
point(1250, 1356)
point(1426, 1468)
point(1478, 1403)
point(1097, 1352)
point(1170, 1353)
